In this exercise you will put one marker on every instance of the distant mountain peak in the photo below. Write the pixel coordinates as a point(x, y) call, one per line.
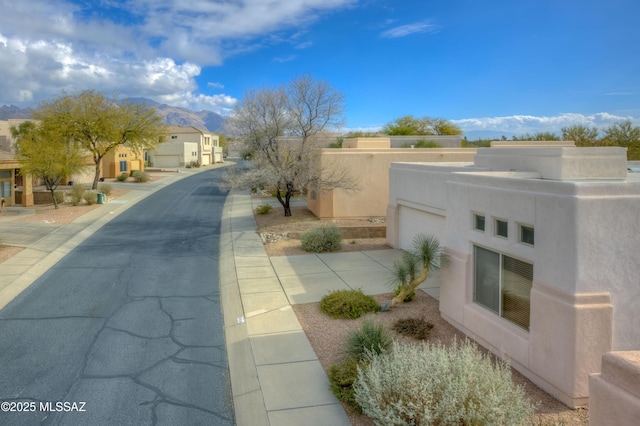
point(176, 116)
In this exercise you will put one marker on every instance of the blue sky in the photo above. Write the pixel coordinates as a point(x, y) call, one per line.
point(501, 65)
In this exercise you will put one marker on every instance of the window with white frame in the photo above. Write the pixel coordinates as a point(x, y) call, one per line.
point(502, 284)
point(527, 235)
point(502, 228)
point(478, 222)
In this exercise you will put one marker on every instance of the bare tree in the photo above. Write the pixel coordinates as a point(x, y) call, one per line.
point(281, 127)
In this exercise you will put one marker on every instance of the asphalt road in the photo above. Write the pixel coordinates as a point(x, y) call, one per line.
point(126, 329)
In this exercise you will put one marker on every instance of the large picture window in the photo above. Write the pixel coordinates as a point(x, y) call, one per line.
point(502, 284)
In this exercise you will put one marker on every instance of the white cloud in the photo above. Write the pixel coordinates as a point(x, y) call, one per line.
point(150, 48)
point(519, 124)
point(409, 29)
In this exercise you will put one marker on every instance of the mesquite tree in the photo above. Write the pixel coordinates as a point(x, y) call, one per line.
point(413, 268)
point(281, 128)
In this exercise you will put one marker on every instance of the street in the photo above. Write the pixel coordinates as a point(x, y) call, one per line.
point(127, 328)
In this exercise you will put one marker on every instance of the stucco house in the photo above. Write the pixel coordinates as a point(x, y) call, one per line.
point(186, 144)
point(544, 250)
point(368, 161)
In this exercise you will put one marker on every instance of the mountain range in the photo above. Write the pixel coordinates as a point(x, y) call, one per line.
point(176, 116)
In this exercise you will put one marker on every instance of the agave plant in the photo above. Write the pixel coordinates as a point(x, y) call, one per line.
point(414, 267)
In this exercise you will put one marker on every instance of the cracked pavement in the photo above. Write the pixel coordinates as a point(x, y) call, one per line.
point(129, 322)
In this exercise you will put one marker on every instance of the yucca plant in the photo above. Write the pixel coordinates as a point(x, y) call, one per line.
point(413, 268)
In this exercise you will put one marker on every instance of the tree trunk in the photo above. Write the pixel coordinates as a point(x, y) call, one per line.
point(53, 196)
point(411, 286)
point(287, 198)
point(96, 176)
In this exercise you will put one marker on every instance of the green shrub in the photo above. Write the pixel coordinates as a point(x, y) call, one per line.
point(341, 379)
point(432, 384)
point(122, 177)
point(77, 194)
point(91, 197)
point(348, 304)
point(105, 188)
point(140, 176)
point(59, 195)
point(370, 340)
point(322, 239)
point(194, 164)
point(417, 328)
point(263, 209)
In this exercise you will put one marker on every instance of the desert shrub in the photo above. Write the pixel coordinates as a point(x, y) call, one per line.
point(409, 297)
point(122, 177)
point(341, 379)
point(77, 194)
point(433, 384)
point(140, 176)
point(263, 209)
point(370, 340)
point(322, 239)
point(348, 304)
point(59, 196)
point(194, 163)
point(105, 188)
point(91, 197)
point(417, 328)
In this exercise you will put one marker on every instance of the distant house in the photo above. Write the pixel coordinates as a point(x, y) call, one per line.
point(368, 161)
point(186, 145)
point(544, 250)
point(121, 159)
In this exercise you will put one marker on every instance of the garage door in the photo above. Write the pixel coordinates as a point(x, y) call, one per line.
point(413, 222)
point(166, 161)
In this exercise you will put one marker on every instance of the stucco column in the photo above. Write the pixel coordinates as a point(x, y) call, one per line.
point(569, 334)
point(27, 190)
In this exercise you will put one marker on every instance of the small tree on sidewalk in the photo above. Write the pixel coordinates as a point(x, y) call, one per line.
point(46, 155)
point(414, 267)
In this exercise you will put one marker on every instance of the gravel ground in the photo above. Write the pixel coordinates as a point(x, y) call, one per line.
point(328, 336)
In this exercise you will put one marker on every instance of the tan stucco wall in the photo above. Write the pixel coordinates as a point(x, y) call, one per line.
point(370, 167)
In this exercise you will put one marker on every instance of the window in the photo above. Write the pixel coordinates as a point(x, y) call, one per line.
point(123, 166)
point(502, 284)
point(478, 222)
point(502, 228)
point(174, 137)
point(526, 235)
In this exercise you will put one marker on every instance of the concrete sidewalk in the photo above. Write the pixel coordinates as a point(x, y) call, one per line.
point(275, 374)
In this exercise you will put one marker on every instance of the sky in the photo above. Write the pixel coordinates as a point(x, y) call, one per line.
point(501, 65)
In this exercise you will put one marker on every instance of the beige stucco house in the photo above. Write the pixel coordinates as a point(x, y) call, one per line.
point(544, 244)
point(368, 161)
point(186, 145)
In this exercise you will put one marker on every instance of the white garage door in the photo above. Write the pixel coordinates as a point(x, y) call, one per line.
point(413, 222)
point(166, 161)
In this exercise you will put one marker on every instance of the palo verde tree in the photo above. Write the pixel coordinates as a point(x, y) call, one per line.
point(624, 134)
point(414, 267)
point(46, 154)
point(580, 135)
point(99, 124)
point(409, 125)
point(281, 127)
